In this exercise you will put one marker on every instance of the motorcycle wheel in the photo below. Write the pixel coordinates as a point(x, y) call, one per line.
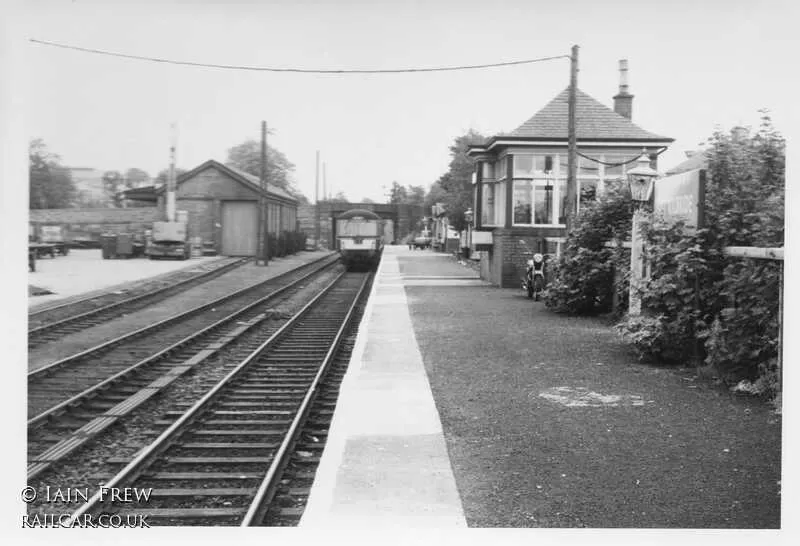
point(530, 290)
point(537, 290)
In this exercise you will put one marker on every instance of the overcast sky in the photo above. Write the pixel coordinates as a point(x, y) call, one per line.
point(693, 65)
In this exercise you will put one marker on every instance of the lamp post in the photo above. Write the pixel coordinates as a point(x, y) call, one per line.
point(468, 217)
point(640, 180)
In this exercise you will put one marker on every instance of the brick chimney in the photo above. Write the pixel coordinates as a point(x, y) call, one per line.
point(623, 101)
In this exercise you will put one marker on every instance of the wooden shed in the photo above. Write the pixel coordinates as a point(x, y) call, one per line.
point(221, 203)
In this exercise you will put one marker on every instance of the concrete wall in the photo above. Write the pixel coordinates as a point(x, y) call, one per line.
point(89, 224)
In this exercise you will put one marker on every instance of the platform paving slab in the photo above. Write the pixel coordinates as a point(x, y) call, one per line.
point(385, 463)
point(227, 283)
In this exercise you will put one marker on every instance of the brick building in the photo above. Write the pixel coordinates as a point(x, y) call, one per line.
point(520, 177)
point(221, 203)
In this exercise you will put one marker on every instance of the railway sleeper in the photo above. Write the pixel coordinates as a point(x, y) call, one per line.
point(189, 461)
point(204, 492)
point(188, 513)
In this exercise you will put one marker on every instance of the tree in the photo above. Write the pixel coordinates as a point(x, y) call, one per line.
point(745, 190)
point(340, 197)
point(436, 194)
point(50, 184)
point(367, 201)
point(247, 157)
point(406, 195)
point(161, 177)
point(397, 194)
point(456, 183)
point(415, 195)
point(136, 177)
point(113, 184)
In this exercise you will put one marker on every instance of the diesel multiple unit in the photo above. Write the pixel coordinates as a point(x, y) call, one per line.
point(359, 238)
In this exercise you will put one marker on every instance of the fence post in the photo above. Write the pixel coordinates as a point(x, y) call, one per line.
point(780, 329)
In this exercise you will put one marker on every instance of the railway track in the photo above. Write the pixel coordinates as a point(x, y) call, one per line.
point(59, 431)
point(222, 460)
point(51, 324)
point(58, 382)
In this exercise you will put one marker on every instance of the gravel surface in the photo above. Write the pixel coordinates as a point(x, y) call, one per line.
point(551, 422)
point(215, 288)
point(124, 439)
point(84, 270)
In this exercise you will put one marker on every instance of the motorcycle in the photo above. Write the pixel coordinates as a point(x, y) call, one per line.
point(533, 282)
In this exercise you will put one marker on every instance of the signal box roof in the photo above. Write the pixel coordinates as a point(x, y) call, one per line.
point(364, 213)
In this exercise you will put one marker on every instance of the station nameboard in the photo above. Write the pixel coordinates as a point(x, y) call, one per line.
point(482, 240)
point(681, 197)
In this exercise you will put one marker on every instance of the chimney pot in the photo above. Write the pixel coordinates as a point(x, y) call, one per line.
point(623, 77)
point(623, 101)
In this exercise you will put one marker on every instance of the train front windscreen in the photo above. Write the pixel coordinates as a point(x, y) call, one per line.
point(357, 227)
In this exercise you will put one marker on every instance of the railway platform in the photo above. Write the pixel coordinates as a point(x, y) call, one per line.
point(465, 404)
point(385, 461)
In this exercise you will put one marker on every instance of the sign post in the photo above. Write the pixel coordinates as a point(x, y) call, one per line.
point(681, 198)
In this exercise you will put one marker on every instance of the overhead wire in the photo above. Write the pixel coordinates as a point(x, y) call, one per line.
point(628, 162)
point(295, 70)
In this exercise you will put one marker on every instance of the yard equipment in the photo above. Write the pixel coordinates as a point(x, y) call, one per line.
point(169, 240)
point(54, 235)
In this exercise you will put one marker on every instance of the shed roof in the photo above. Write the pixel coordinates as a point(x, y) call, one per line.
point(594, 121)
point(240, 176)
point(271, 188)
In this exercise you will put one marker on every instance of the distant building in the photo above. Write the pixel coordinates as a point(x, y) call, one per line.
point(694, 160)
point(444, 237)
point(521, 178)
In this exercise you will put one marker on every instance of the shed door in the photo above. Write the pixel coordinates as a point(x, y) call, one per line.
point(239, 228)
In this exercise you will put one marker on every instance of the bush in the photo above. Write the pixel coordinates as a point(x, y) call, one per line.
point(680, 294)
point(286, 243)
point(700, 303)
point(743, 342)
point(583, 281)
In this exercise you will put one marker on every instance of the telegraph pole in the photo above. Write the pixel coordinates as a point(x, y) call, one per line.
point(170, 205)
point(316, 202)
point(572, 151)
point(264, 187)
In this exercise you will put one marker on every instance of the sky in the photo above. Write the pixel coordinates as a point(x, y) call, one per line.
point(693, 66)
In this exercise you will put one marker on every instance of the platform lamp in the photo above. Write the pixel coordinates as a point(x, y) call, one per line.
point(641, 179)
point(469, 216)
